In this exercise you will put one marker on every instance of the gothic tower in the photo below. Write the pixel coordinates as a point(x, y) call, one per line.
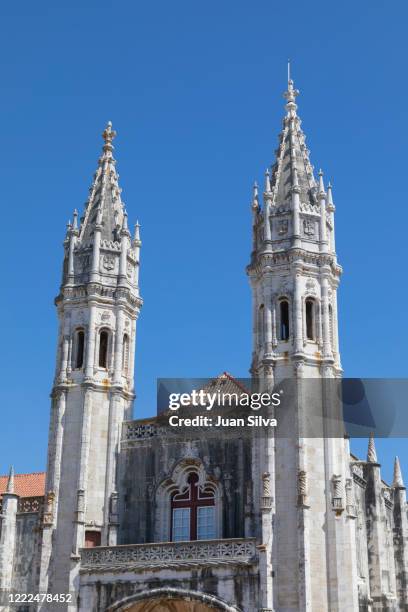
point(93, 392)
point(294, 275)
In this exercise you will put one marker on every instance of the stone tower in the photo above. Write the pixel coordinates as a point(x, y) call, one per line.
point(294, 275)
point(93, 391)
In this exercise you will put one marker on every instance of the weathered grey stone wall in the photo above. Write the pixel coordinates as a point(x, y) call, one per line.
point(26, 559)
point(148, 463)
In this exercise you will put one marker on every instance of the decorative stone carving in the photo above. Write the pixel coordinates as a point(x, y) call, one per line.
point(113, 507)
point(170, 555)
point(105, 315)
point(190, 450)
point(29, 504)
point(311, 286)
point(49, 508)
point(308, 227)
point(108, 262)
point(134, 431)
point(266, 481)
point(302, 489)
point(337, 498)
point(266, 502)
point(350, 505)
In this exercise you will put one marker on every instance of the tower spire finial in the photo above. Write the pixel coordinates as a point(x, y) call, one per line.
point(108, 135)
point(397, 481)
point(290, 94)
point(371, 452)
point(10, 482)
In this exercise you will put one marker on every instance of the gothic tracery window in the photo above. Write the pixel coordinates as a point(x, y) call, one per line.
point(193, 512)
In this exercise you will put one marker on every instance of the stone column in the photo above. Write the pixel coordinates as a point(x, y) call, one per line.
point(117, 376)
point(327, 352)
point(400, 538)
point(90, 342)
point(115, 415)
point(297, 314)
point(79, 518)
point(379, 570)
point(8, 535)
point(268, 320)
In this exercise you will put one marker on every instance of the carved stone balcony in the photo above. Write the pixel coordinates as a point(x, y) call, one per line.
point(168, 555)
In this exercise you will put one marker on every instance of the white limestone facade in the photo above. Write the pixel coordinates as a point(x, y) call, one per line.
point(299, 523)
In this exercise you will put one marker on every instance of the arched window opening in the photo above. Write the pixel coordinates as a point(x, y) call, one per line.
point(193, 512)
point(80, 345)
point(125, 356)
point(310, 319)
point(103, 348)
point(261, 319)
point(284, 319)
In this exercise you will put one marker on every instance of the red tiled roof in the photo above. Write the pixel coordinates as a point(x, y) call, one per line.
point(26, 485)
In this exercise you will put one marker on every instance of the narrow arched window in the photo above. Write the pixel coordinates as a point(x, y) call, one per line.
point(103, 348)
point(284, 319)
point(310, 318)
point(193, 512)
point(125, 355)
point(261, 319)
point(80, 345)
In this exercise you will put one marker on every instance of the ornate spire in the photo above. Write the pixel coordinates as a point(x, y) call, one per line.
point(267, 181)
point(255, 200)
point(137, 232)
point(10, 482)
point(321, 183)
point(104, 207)
point(371, 452)
point(330, 204)
point(292, 169)
point(398, 482)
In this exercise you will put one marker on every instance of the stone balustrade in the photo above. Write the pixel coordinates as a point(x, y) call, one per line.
point(199, 553)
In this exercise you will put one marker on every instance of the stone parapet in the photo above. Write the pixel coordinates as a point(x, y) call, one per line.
point(176, 555)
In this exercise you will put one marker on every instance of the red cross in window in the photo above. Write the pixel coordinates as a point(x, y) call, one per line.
point(192, 498)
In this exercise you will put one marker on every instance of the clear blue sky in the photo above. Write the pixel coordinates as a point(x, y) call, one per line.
point(195, 93)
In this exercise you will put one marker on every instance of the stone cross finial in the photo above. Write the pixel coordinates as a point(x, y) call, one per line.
point(108, 136)
point(397, 481)
point(371, 453)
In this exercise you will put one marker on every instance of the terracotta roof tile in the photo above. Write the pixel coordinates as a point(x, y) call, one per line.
point(26, 485)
